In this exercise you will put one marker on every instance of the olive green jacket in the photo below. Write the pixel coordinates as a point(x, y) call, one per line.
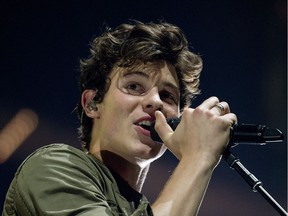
point(61, 180)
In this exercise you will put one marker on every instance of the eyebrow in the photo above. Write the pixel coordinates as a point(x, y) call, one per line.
point(145, 75)
point(171, 85)
point(129, 73)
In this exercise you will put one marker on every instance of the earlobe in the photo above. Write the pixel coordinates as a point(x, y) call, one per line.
point(89, 104)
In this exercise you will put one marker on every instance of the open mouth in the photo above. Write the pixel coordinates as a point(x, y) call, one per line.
point(145, 124)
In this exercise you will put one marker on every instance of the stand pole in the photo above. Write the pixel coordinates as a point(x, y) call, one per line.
point(234, 163)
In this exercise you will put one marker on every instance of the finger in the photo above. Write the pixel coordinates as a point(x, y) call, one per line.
point(232, 118)
point(218, 109)
point(221, 108)
point(209, 103)
point(162, 128)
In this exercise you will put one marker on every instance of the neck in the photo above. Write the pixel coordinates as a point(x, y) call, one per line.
point(133, 174)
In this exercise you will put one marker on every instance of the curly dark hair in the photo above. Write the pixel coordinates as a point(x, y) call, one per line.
point(143, 42)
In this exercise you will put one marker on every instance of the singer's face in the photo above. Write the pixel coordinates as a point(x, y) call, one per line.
point(135, 93)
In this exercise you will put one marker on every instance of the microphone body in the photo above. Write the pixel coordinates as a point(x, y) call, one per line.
point(240, 134)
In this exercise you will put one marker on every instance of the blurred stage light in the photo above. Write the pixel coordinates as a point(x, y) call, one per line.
point(16, 131)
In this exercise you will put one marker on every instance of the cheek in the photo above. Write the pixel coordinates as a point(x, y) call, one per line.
point(172, 111)
point(126, 102)
point(117, 109)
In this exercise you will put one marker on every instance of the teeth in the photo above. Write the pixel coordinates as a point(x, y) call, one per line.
point(147, 123)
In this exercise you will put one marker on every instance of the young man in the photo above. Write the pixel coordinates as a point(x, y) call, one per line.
point(137, 73)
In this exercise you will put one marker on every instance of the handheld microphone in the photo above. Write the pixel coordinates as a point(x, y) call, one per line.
point(240, 134)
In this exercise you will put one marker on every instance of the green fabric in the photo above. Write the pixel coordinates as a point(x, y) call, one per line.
point(61, 180)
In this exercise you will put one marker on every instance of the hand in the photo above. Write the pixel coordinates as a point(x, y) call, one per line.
point(203, 132)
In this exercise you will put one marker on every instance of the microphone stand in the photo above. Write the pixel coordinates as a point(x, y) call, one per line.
point(235, 164)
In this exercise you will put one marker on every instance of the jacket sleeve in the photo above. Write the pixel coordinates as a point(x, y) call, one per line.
point(59, 182)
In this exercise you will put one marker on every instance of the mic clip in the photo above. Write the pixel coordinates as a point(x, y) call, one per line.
point(254, 134)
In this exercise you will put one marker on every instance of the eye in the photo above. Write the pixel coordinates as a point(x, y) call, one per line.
point(135, 89)
point(169, 97)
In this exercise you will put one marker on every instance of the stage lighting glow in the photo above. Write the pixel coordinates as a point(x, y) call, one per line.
point(16, 131)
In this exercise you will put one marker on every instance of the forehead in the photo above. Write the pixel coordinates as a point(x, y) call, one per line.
point(156, 70)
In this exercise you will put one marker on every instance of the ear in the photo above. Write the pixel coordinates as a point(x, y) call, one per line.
point(88, 103)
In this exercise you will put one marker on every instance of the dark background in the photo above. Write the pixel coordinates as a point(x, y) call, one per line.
point(244, 48)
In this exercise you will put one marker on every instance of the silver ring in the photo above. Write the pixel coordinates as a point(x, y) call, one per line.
point(220, 107)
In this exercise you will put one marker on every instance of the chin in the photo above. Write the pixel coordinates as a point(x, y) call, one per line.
point(150, 154)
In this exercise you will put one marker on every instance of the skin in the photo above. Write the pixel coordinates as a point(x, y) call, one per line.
point(149, 91)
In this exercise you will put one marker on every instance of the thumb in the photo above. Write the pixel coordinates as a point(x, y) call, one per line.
point(162, 128)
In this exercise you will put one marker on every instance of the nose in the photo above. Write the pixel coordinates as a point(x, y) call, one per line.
point(152, 101)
